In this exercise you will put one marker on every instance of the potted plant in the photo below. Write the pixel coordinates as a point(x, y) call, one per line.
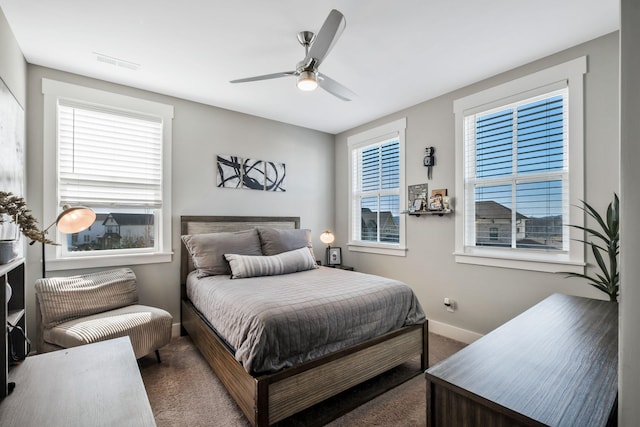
point(16, 218)
point(605, 249)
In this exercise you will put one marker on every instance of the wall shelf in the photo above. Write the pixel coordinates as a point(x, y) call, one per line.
point(439, 212)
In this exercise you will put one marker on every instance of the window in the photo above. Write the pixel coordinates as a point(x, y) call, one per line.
point(112, 154)
point(377, 190)
point(493, 233)
point(516, 174)
point(519, 156)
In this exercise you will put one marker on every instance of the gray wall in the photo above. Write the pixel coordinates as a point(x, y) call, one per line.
point(13, 67)
point(486, 296)
point(629, 368)
point(201, 132)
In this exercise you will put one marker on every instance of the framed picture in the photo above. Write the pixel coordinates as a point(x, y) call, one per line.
point(229, 171)
point(274, 176)
point(417, 196)
point(253, 174)
point(334, 256)
point(437, 198)
point(441, 192)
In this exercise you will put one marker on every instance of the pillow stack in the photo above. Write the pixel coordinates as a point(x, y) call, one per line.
point(261, 251)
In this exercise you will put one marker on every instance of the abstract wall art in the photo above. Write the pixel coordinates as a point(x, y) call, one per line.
point(229, 171)
point(252, 174)
point(274, 176)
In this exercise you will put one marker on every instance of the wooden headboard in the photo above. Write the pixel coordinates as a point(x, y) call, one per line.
point(216, 224)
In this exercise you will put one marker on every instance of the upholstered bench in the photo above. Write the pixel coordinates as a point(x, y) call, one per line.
point(93, 307)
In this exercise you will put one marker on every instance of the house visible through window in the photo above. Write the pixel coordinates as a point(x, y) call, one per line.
point(520, 161)
point(517, 174)
point(111, 153)
point(377, 183)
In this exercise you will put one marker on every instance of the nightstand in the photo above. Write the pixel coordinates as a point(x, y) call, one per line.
point(340, 266)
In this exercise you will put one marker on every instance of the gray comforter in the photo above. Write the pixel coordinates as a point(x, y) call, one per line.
point(275, 322)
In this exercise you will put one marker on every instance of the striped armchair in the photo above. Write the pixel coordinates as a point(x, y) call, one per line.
point(83, 309)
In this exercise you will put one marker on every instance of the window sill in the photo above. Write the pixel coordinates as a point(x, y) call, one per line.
point(108, 261)
point(377, 249)
point(545, 264)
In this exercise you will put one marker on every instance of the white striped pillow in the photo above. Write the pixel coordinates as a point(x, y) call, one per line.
point(243, 266)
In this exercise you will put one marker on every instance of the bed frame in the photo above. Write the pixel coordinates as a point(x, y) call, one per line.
point(268, 399)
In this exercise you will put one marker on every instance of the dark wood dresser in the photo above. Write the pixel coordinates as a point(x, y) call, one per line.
point(556, 364)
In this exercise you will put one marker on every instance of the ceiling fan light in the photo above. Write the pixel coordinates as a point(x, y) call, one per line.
point(307, 81)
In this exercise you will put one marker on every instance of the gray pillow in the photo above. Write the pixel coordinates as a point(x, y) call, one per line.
point(207, 250)
point(243, 266)
point(274, 241)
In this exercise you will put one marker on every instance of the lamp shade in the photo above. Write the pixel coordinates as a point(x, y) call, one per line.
point(74, 219)
point(327, 237)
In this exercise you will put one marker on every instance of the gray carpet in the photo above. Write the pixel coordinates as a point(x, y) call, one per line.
point(183, 391)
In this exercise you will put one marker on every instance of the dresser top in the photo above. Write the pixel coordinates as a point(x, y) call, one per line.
point(556, 363)
point(95, 384)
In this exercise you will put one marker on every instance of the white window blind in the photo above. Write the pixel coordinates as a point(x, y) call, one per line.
point(377, 192)
point(108, 157)
point(516, 174)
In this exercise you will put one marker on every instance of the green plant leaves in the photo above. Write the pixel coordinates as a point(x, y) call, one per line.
point(608, 279)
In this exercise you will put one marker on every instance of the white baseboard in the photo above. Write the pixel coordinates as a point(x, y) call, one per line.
point(453, 332)
point(175, 330)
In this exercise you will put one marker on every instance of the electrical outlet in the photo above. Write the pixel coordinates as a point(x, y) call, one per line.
point(450, 304)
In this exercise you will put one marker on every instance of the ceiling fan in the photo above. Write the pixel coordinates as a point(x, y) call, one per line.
point(316, 48)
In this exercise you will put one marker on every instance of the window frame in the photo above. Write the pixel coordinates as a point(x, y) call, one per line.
point(571, 75)
point(395, 129)
point(57, 259)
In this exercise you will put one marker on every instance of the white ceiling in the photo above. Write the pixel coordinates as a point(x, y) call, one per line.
point(392, 54)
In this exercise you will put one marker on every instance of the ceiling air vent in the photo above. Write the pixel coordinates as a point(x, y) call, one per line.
point(116, 61)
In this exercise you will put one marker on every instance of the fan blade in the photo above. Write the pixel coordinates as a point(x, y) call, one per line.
point(327, 36)
point(335, 88)
point(265, 77)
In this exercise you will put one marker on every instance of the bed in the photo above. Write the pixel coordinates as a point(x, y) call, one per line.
point(269, 393)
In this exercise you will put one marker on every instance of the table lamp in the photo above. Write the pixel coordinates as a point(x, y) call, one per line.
point(327, 238)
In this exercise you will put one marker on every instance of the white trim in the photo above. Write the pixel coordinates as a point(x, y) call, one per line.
point(520, 263)
point(453, 332)
point(376, 249)
point(52, 90)
point(377, 132)
point(107, 261)
point(566, 71)
point(572, 73)
point(100, 97)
